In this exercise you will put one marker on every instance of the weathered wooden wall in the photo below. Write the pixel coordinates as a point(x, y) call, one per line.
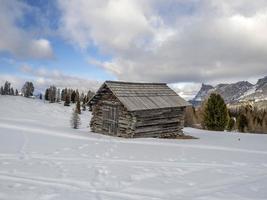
point(125, 120)
point(166, 122)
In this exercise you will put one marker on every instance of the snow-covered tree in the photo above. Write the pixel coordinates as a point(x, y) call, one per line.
point(75, 119)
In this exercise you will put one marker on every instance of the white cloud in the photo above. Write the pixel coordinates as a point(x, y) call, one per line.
point(189, 41)
point(14, 39)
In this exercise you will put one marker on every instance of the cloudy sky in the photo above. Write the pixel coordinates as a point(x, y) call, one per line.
point(81, 43)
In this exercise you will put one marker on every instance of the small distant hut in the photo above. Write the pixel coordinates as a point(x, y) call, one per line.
point(128, 109)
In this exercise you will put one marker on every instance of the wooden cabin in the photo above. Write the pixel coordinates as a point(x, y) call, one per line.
point(129, 110)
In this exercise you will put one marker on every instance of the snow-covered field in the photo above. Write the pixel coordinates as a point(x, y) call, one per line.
point(42, 158)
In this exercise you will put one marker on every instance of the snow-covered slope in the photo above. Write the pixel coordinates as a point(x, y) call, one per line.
point(41, 158)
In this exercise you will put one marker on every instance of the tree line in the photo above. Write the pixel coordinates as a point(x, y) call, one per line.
point(69, 96)
point(26, 90)
point(6, 89)
point(213, 114)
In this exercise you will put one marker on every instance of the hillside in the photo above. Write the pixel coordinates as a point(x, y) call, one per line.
point(41, 157)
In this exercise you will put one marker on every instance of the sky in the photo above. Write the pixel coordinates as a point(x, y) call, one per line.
point(81, 43)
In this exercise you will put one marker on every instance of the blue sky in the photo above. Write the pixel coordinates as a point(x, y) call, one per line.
point(81, 43)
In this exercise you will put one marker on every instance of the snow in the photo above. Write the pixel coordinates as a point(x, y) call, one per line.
point(41, 157)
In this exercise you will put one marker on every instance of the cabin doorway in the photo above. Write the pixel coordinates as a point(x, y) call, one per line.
point(110, 119)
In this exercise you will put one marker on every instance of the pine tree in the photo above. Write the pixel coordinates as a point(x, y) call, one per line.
point(78, 106)
point(67, 100)
point(75, 119)
point(73, 96)
point(52, 94)
point(17, 92)
point(2, 90)
point(28, 89)
point(47, 94)
point(242, 123)
point(77, 96)
point(215, 113)
point(7, 88)
point(12, 91)
point(40, 96)
point(84, 103)
point(63, 94)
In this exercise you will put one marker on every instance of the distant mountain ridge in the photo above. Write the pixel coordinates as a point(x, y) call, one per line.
point(234, 92)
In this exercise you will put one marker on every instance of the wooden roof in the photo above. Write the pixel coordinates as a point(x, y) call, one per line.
point(145, 96)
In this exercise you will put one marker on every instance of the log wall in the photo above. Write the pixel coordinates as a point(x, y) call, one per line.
point(125, 126)
point(159, 123)
point(167, 122)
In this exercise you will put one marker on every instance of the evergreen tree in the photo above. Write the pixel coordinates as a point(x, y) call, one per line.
point(242, 123)
point(75, 119)
point(47, 94)
point(215, 113)
point(40, 96)
point(77, 95)
point(52, 94)
point(12, 91)
point(2, 90)
point(78, 106)
point(28, 89)
point(17, 92)
point(63, 94)
point(67, 100)
point(7, 88)
point(84, 103)
point(73, 96)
